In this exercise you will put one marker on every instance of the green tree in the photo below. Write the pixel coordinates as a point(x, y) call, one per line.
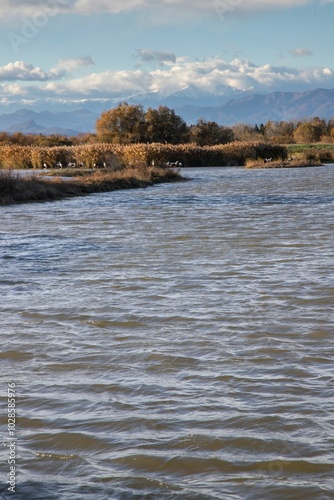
point(124, 125)
point(164, 125)
point(209, 133)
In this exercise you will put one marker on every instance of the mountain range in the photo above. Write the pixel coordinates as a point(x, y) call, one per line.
point(28, 121)
point(226, 107)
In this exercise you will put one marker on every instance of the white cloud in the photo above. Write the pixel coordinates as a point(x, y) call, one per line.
point(19, 70)
point(301, 52)
point(13, 89)
point(161, 10)
point(112, 6)
point(102, 84)
point(67, 66)
point(213, 75)
point(34, 8)
point(209, 75)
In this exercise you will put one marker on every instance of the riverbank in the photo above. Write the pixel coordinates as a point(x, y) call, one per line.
point(15, 188)
point(282, 164)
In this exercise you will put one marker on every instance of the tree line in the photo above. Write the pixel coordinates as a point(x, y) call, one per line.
point(132, 124)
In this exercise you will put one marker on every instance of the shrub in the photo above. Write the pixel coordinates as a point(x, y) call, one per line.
point(8, 183)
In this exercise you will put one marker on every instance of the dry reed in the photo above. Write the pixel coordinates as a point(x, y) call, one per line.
point(16, 188)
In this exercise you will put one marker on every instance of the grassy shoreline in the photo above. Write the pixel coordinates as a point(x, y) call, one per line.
point(15, 188)
point(282, 164)
point(129, 165)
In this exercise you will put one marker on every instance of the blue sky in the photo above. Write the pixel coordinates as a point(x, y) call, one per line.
point(93, 49)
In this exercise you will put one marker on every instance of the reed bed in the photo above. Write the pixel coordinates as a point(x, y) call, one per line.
point(15, 188)
point(295, 163)
point(323, 153)
point(124, 156)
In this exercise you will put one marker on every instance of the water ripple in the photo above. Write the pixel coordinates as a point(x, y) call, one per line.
point(174, 342)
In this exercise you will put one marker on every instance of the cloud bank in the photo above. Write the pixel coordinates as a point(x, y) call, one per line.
point(213, 75)
point(20, 8)
point(21, 71)
point(67, 66)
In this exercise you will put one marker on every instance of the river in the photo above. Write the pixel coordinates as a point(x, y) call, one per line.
point(173, 342)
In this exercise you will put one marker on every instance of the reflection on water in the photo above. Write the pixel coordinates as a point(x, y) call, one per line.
point(174, 341)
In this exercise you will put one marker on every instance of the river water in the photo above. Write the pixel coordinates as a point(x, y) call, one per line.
point(174, 342)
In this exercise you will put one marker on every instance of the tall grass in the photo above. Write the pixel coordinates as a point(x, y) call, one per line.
point(16, 188)
point(312, 152)
point(120, 156)
point(9, 183)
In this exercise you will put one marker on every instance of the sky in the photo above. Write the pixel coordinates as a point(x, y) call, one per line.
point(73, 50)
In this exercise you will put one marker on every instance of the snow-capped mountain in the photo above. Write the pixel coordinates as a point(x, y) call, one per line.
point(227, 107)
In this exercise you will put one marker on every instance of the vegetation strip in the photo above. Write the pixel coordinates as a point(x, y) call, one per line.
point(283, 164)
point(130, 166)
point(121, 156)
point(15, 188)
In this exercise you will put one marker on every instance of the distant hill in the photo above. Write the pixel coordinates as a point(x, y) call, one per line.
point(69, 123)
point(228, 107)
point(259, 108)
point(31, 127)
